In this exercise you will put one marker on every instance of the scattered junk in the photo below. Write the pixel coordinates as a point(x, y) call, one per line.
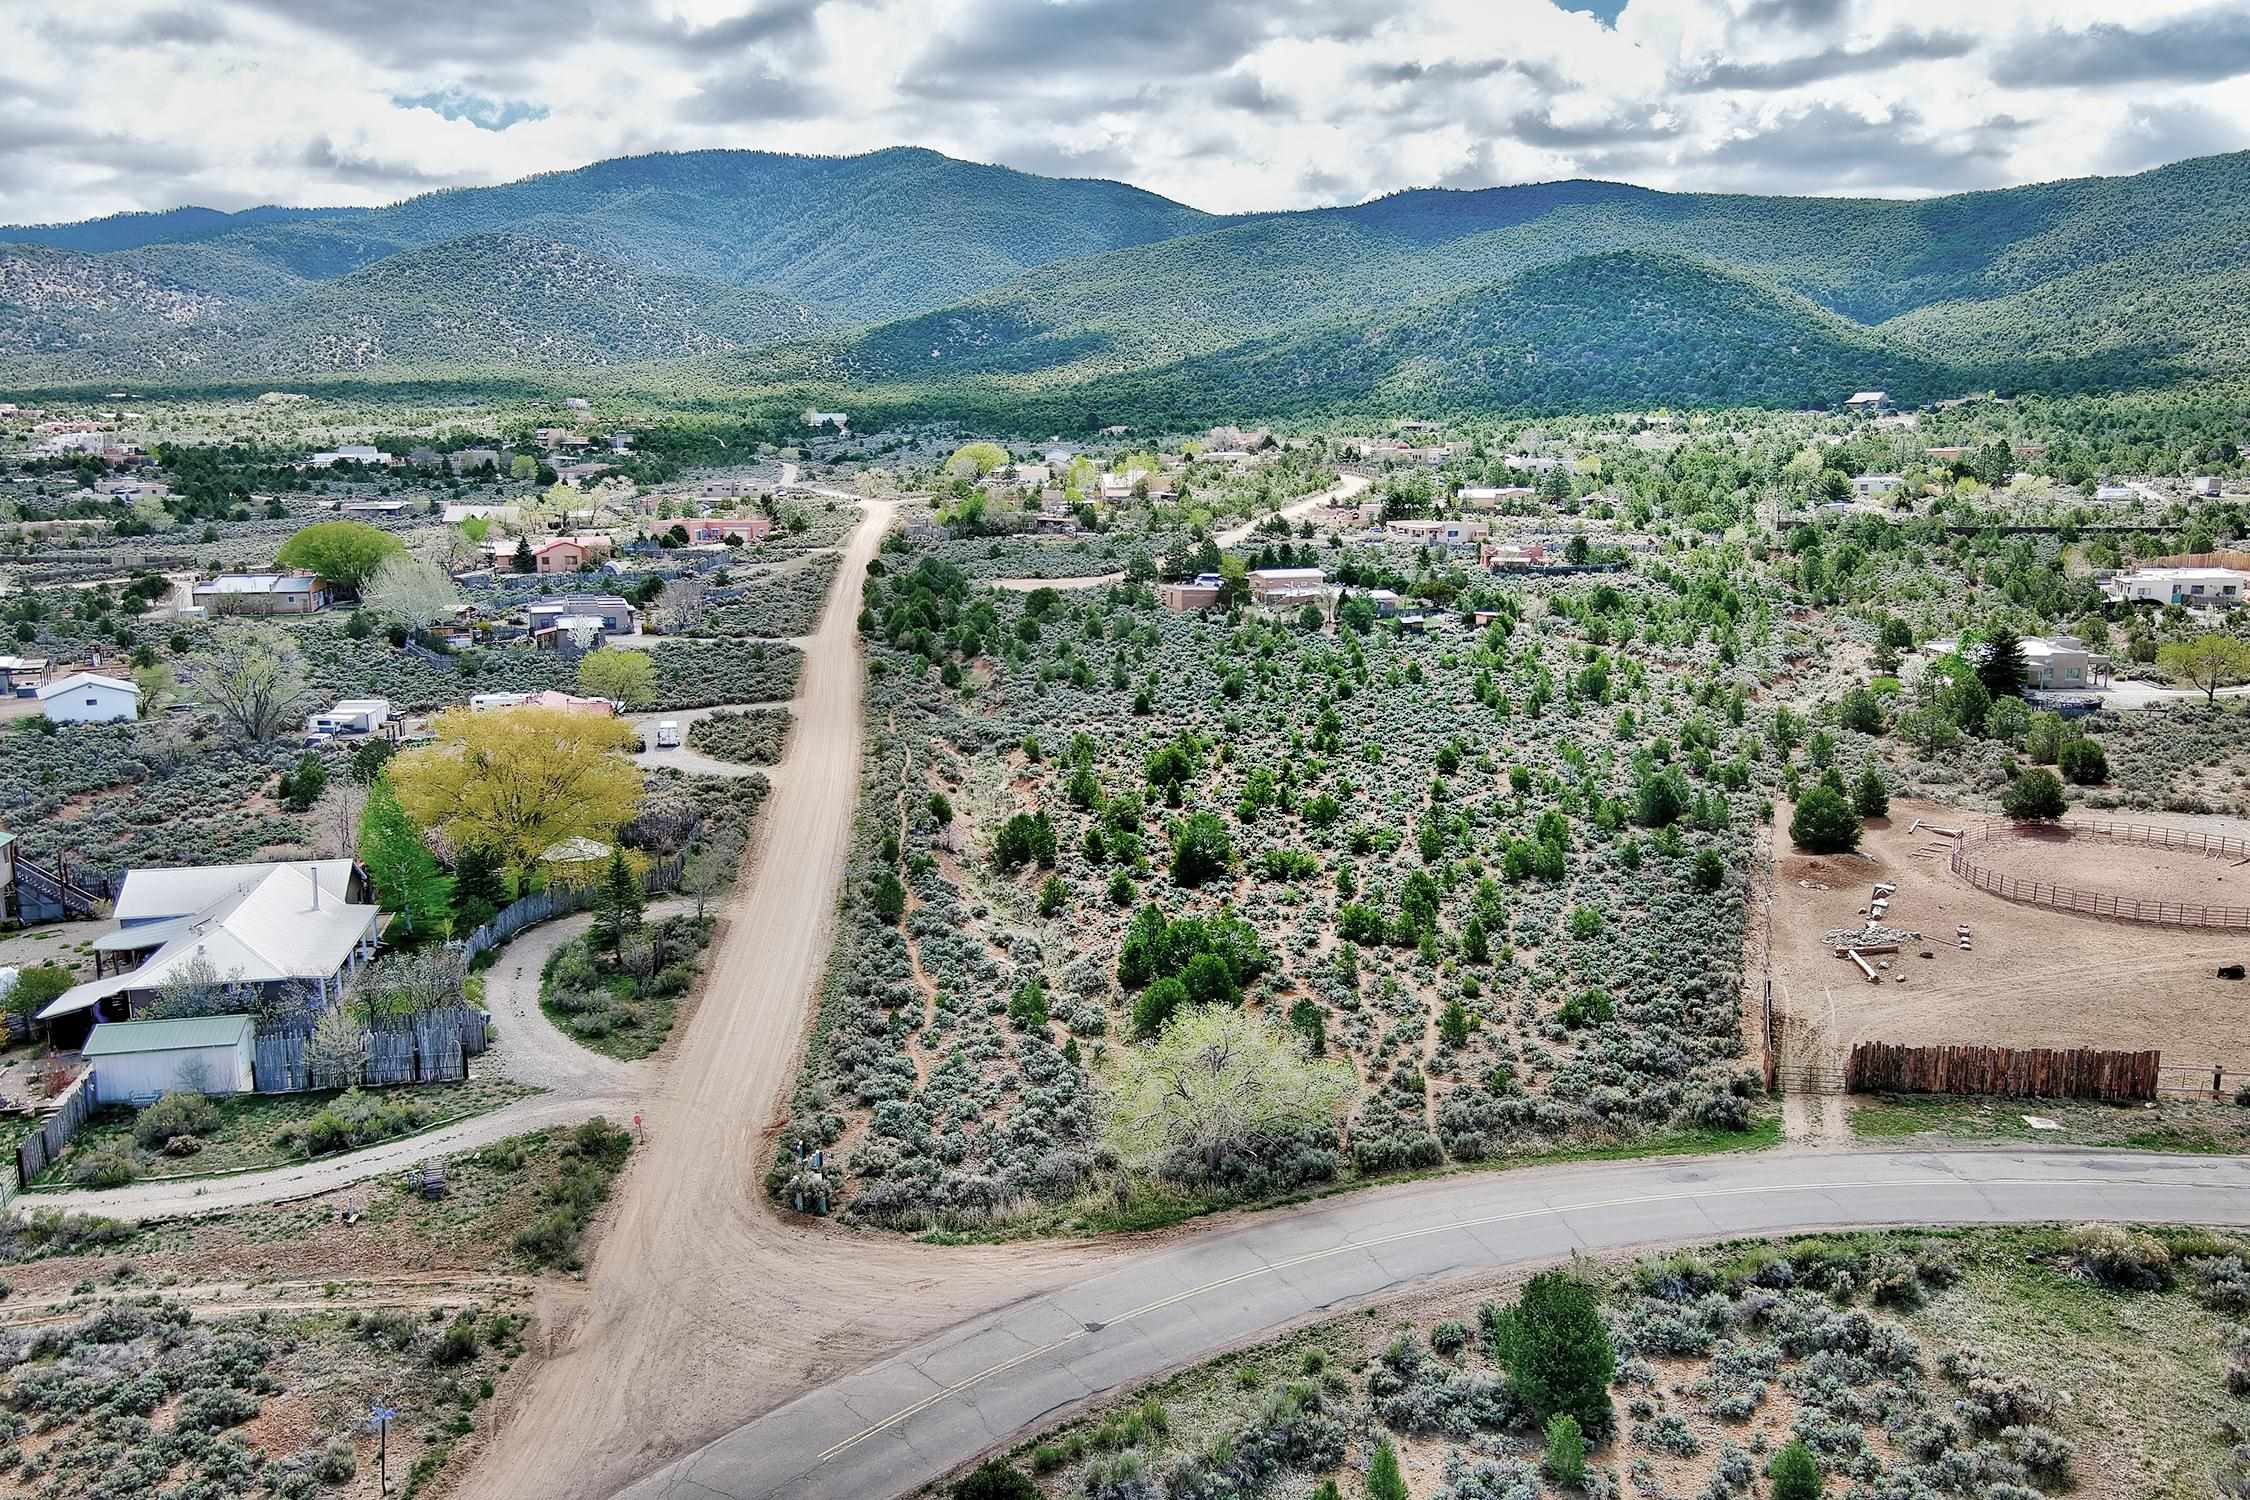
point(1961, 935)
point(1864, 966)
point(427, 1182)
point(1873, 937)
point(808, 1189)
point(2230, 971)
point(2039, 1122)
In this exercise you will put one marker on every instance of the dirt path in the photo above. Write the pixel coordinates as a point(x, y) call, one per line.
point(704, 1307)
point(1346, 488)
point(1030, 585)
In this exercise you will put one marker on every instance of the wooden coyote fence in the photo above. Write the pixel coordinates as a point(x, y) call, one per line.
point(432, 1047)
point(43, 1145)
point(2103, 903)
point(2031, 1072)
point(562, 900)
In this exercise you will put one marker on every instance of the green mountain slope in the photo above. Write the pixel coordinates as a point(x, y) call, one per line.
point(905, 274)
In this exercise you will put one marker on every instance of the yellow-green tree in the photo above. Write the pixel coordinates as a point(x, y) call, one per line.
point(2210, 662)
point(346, 553)
point(1218, 1083)
point(975, 460)
point(521, 780)
point(620, 675)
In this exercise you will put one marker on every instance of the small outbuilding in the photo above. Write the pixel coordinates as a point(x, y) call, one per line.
point(90, 698)
point(135, 1061)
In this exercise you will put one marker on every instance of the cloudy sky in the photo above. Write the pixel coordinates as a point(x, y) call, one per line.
point(140, 104)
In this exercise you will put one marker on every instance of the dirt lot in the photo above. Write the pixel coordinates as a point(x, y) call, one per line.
point(2032, 977)
point(2117, 869)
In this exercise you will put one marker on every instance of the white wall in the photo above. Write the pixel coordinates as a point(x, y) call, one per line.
point(142, 1075)
point(91, 703)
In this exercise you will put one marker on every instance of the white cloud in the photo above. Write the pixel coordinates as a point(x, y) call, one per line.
point(1226, 104)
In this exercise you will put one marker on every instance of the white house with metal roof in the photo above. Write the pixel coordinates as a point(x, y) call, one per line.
point(259, 928)
point(261, 594)
point(90, 698)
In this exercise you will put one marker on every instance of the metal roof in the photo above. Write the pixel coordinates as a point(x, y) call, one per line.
point(112, 1038)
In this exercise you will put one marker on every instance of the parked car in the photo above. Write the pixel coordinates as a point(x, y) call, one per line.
point(668, 735)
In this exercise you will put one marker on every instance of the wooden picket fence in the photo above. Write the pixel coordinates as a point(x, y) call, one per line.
point(431, 1047)
point(2029, 1072)
point(558, 901)
point(72, 1107)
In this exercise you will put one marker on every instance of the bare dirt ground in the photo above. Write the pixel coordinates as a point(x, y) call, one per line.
point(2054, 858)
point(704, 1307)
point(2031, 977)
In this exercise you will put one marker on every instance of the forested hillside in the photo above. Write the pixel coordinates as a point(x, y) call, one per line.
point(941, 284)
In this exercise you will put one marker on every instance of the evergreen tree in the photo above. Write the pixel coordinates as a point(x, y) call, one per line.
point(1384, 1481)
point(479, 889)
point(617, 905)
point(408, 880)
point(1870, 795)
point(1796, 1473)
point(2002, 669)
point(1557, 1351)
point(523, 560)
point(2034, 795)
point(1824, 823)
point(1566, 1450)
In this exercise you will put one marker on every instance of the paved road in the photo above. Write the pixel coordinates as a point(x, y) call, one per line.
point(907, 1420)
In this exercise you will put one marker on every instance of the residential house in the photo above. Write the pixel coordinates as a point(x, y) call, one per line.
point(614, 615)
point(1868, 486)
point(1441, 533)
point(2058, 663)
point(469, 460)
point(1487, 496)
point(2113, 492)
point(1386, 603)
point(262, 594)
point(702, 529)
point(2189, 586)
point(836, 419)
point(377, 507)
point(271, 929)
point(90, 698)
point(1120, 486)
point(1532, 463)
point(1501, 557)
point(1868, 403)
point(580, 475)
point(456, 514)
point(551, 438)
point(1268, 584)
point(560, 554)
point(137, 1062)
point(1201, 592)
point(356, 454)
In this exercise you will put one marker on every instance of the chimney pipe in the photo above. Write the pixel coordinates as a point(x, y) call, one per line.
point(314, 872)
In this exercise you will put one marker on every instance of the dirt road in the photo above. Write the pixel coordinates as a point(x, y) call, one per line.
point(1342, 492)
point(704, 1308)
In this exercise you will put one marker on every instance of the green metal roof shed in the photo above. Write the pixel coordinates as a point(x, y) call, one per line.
point(135, 1061)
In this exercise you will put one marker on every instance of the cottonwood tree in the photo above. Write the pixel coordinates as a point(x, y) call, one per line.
point(1215, 1084)
point(521, 780)
point(711, 865)
point(621, 675)
point(407, 877)
point(419, 979)
point(681, 605)
point(411, 591)
point(2210, 662)
point(253, 677)
point(345, 553)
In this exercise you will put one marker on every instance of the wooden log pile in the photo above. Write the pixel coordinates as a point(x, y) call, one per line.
point(2029, 1072)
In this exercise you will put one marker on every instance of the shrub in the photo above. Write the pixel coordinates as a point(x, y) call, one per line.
point(2083, 762)
point(2125, 1259)
point(355, 1118)
point(1023, 838)
point(106, 1166)
point(996, 1480)
point(1824, 823)
point(1566, 1451)
point(2035, 795)
point(1796, 1473)
point(1384, 1481)
point(175, 1114)
point(1201, 849)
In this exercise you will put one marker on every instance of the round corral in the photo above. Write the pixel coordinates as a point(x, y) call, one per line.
point(2131, 872)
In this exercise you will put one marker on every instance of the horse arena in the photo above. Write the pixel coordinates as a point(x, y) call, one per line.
point(2087, 935)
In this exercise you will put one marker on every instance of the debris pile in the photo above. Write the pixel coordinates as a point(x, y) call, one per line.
point(1873, 937)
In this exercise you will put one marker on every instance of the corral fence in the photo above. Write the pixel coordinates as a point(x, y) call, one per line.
point(2102, 903)
point(42, 1146)
point(432, 1046)
point(558, 901)
point(2027, 1072)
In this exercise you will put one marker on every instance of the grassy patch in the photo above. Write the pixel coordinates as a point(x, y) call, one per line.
point(623, 1006)
point(2190, 1125)
point(251, 1131)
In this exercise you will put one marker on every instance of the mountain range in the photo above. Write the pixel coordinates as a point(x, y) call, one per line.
point(909, 278)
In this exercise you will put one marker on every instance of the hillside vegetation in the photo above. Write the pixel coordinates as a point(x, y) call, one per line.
point(905, 278)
